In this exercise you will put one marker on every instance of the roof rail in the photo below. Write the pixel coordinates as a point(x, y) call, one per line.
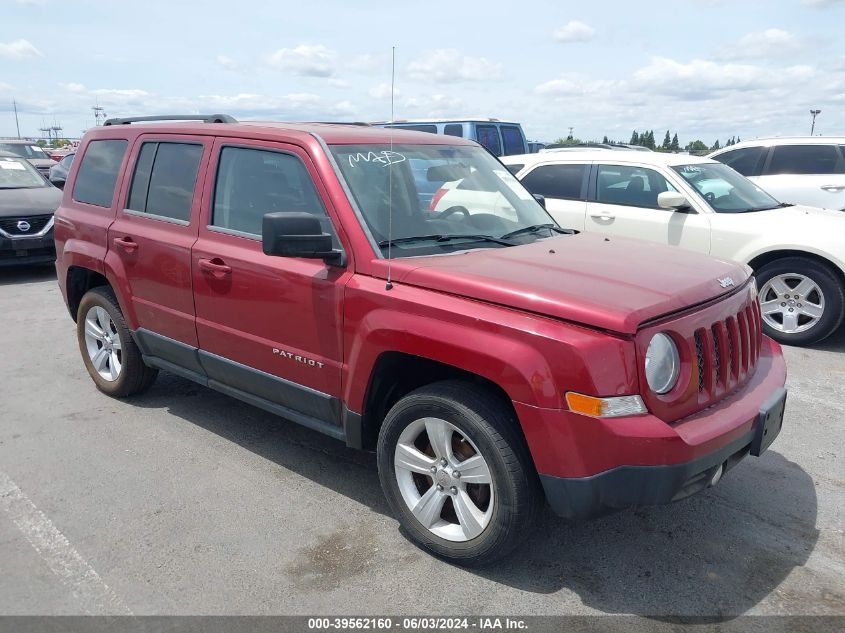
point(205, 118)
point(360, 123)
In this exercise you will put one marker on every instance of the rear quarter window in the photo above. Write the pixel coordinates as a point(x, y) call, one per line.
point(746, 160)
point(98, 172)
point(431, 129)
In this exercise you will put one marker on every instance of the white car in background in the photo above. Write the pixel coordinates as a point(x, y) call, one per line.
point(802, 169)
point(797, 252)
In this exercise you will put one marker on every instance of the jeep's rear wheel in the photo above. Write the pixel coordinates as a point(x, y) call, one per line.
point(801, 300)
point(456, 473)
point(110, 355)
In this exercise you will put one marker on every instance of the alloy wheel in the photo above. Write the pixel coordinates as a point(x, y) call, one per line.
point(444, 479)
point(791, 303)
point(103, 343)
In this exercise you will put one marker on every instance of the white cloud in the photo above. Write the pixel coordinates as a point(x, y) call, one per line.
point(226, 62)
point(4, 87)
point(382, 91)
point(768, 43)
point(338, 83)
point(574, 31)
point(133, 93)
point(73, 87)
point(437, 105)
point(448, 65)
point(822, 3)
point(19, 49)
point(368, 64)
point(304, 60)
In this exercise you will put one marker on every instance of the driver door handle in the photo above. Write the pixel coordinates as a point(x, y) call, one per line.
point(215, 267)
point(126, 243)
point(603, 216)
point(833, 188)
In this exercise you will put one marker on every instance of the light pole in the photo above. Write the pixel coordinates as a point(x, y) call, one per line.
point(813, 126)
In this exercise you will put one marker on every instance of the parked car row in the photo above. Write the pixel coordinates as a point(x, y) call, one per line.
point(797, 252)
point(493, 359)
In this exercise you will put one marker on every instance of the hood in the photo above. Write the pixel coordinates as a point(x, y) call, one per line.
point(609, 283)
point(36, 201)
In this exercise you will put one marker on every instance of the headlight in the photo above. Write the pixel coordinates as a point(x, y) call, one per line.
point(662, 363)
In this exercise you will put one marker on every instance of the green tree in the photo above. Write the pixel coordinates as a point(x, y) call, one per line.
point(674, 145)
point(649, 140)
point(635, 138)
point(697, 146)
point(41, 142)
point(604, 140)
point(716, 145)
point(667, 141)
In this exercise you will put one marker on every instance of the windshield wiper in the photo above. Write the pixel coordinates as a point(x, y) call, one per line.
point(534, 228)
point(444, 238)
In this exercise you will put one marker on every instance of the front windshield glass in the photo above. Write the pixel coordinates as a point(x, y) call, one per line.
point(443, 198)
point(24, 150)
point(16, 173)
point(725, 190)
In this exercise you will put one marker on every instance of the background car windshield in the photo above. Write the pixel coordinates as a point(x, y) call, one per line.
point(725, 190)
point(24, 150)
point(16, 173)
point(435, 190)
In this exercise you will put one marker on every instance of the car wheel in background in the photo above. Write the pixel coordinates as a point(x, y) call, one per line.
point(801, 300)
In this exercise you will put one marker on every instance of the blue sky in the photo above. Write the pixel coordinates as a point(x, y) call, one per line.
point(705, 68)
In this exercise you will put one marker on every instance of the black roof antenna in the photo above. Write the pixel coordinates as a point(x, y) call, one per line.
point(389, 284)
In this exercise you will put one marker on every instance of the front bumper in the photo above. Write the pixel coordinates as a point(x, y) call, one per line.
point(19, 251)
point(590, 467)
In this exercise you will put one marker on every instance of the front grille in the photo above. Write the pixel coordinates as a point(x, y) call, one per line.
point(728, 350)
point(36, 224)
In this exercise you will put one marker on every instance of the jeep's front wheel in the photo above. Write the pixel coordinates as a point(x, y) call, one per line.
point(111, 356)
point(457, 473)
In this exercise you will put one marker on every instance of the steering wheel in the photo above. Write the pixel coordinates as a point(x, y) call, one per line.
point(452, 211)
point(710, 197)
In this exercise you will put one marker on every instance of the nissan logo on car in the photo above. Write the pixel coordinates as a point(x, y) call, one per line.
point(23, 226)
point(725, 282)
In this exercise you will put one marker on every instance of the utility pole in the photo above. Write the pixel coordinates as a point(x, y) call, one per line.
point(814, 113)
point(17, 125)
point(99, 114)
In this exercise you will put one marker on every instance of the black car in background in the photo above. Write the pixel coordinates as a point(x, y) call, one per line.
point(27, 203)
point(58, 172)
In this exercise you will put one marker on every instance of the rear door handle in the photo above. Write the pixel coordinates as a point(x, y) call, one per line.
point(833, 188)
point(603, 216)
point(126, 243)
point(215, 267)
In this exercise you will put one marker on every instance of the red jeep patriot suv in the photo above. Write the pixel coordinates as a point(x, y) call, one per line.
point(490, 357)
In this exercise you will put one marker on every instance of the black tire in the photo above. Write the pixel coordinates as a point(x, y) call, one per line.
point(830, 285)
point(491, 426)
point(134, 376)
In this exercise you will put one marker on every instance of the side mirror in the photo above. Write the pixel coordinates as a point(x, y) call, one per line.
point(58, 183)
point(541, 199)
point(297, 235)
point(672, 200)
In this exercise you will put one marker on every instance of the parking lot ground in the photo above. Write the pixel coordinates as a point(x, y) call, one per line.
point(184, 501)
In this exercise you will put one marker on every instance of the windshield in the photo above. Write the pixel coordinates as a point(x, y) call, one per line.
point(725, 190)
point(24, 150)
point(443, 197)
point(16, 173)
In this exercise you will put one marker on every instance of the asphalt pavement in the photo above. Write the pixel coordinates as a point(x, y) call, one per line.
point(184, 501)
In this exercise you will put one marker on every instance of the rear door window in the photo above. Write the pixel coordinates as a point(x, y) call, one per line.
point(98, 172)
point(513, 140)
point(805, 159)
point(746, 160)
point(514, 169)
point(454, 129)
point(164, 180)
point(630, 186)
point(556, 181)
point(488, 136)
